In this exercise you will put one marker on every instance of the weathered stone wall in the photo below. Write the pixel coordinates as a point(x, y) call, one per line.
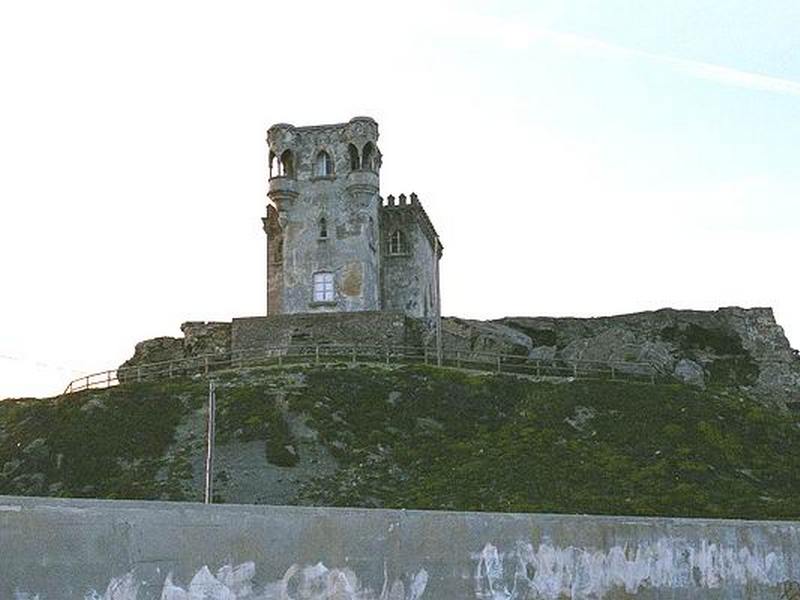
point(348, 202)
point(274, 233)
point(729, 346)
point(202, 338)
point(408, 278)
point(116, 550)
point(366, 327)
point(155, 350)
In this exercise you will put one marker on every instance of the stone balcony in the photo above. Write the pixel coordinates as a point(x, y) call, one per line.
point(282, 187)
point(363, 180)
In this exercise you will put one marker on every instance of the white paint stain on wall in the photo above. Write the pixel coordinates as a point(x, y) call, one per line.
point(551, 572)
point(314, 582)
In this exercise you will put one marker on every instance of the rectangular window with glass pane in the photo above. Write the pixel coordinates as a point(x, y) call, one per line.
point(323, 287)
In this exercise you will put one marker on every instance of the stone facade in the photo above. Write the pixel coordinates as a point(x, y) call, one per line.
point(409, 274)
point(333, 245)
point(381, 328)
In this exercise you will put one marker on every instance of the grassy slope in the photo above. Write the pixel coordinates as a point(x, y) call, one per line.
point(424, 438)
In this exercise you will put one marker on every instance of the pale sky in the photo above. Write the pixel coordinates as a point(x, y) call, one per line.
point(578, 158)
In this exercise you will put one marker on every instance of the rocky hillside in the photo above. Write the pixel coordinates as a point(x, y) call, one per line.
point(742, 348)
point(419, 437)
point(733, 347)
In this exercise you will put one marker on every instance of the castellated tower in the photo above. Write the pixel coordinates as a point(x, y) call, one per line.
point(322, 231)
point(333, 245)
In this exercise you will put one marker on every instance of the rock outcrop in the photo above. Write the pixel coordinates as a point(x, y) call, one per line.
point(739, 347)
point(731, 346)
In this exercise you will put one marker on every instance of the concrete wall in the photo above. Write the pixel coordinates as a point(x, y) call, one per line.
point(117, 550)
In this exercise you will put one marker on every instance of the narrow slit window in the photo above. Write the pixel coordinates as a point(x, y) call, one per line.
point(323, 228)
point(323, 287)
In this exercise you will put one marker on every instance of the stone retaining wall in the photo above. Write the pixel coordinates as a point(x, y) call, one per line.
point(372, 327)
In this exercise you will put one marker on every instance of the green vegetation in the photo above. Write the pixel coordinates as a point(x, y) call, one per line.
point(731, 364)
point(420, 437)
point(107, 444)
point(251, 413)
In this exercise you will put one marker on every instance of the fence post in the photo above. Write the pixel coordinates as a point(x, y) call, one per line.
point(205, 365)
point(87, 383)
point(354, 355)
point(426, 354)
point(170, 369)
point(387, 355)
point(538, 372)
point(108, 378)
point(498, 363)
point(316, 354)
point(652, 376)
point(575, 370)
point(280, 358)
point(458, 358)
point(613, 372)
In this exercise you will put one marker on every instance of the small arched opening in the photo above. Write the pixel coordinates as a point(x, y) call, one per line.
point(323, 229)
point(355, 162)
point(287, 164)
point(323, 164)
point(368, 156)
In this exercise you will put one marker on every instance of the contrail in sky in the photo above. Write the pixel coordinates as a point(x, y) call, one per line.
point(520, 35)
point(693, 68)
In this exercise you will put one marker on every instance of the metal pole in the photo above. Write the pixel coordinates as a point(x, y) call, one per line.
point(211, 427)
point(438, 302)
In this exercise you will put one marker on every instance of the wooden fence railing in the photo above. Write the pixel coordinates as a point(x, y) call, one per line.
point(365, 353)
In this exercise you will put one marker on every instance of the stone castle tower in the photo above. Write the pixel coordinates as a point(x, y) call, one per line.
point(333, 244)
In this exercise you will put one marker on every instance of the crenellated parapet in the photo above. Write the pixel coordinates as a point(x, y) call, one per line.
point(392, 207)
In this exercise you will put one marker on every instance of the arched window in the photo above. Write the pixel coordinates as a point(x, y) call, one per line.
point(323, 228)
point(352, 152)
point(323, 165)
point(323, 287)
point(368, 156)
point(397, 243)
point(272, 164)
point(287, 164)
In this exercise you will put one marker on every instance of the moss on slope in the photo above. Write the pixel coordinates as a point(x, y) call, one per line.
point(420, 437)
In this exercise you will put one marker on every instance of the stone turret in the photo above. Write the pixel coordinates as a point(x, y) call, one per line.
point(322, 226)
point(410, 253)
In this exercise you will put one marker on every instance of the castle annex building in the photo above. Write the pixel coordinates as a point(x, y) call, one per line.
point(333, 243)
